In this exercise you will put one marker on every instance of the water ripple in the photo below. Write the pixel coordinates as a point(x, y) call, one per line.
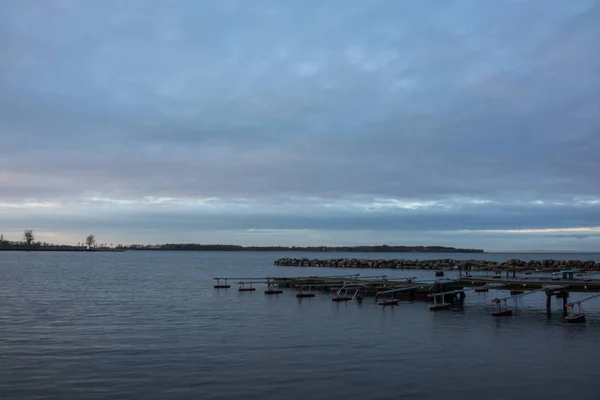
point(149, 325)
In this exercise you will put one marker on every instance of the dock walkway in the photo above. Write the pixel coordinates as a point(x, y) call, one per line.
point(575, 285)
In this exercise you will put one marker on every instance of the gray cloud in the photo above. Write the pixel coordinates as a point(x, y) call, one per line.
point(474, 217)
point(276, 104)
point(574, 236)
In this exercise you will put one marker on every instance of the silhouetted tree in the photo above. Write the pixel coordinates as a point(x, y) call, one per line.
point(90, 241)
point(28, 236)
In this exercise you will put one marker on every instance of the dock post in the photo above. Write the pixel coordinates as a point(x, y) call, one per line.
point(564, 301)
point(548, 303)
point(514, 273)
point(461, 298)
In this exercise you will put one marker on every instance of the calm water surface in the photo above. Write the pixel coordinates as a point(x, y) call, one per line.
point(149, 325)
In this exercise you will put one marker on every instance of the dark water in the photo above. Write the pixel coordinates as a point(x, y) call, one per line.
point(140, 325)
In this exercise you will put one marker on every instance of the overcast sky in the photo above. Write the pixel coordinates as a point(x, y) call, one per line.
point(461, 123)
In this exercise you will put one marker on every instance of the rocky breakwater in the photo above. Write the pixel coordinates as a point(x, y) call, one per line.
point(546, 265)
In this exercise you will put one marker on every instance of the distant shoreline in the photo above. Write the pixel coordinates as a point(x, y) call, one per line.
point(199, 247)
point(312, 249)
point(65, 249)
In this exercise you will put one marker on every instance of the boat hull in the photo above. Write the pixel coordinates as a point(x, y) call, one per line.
point(440, 306)
point(575, 319)
point(502, 313)
point(338, 299)
point(388, 302)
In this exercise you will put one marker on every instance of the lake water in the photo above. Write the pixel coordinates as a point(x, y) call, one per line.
point(149, 325)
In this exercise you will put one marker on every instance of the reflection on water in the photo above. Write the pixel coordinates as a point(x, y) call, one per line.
point(150, 325)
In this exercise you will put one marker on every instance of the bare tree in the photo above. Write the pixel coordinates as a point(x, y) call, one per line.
point(28, 236)
point(90, 241)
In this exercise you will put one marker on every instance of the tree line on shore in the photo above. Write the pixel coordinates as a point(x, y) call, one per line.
point(30, 243)
point(362, 249)
point(90, 244)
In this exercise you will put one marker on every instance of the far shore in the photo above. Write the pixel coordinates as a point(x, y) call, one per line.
point(62, 249)
point(20, 246)
point(224, 250)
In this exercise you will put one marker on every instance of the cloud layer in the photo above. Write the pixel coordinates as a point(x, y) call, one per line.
point(159, 119)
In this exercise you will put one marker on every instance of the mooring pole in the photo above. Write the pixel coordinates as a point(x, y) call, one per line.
point(548, 303)
point(565, 296)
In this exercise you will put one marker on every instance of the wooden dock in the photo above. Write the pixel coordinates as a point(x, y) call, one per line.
point(574, 285)
point(371, 287)
point(444, 293)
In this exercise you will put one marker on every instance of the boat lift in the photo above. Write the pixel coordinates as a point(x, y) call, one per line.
point(302, 294)
point(249, 288)
point(587, 275)
point(392, 301)
point(567, 274)
point(346, 296)
point(443, 305)
point(272, 287)
point(577, 317)
point(505, 312)
point(219, 285)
